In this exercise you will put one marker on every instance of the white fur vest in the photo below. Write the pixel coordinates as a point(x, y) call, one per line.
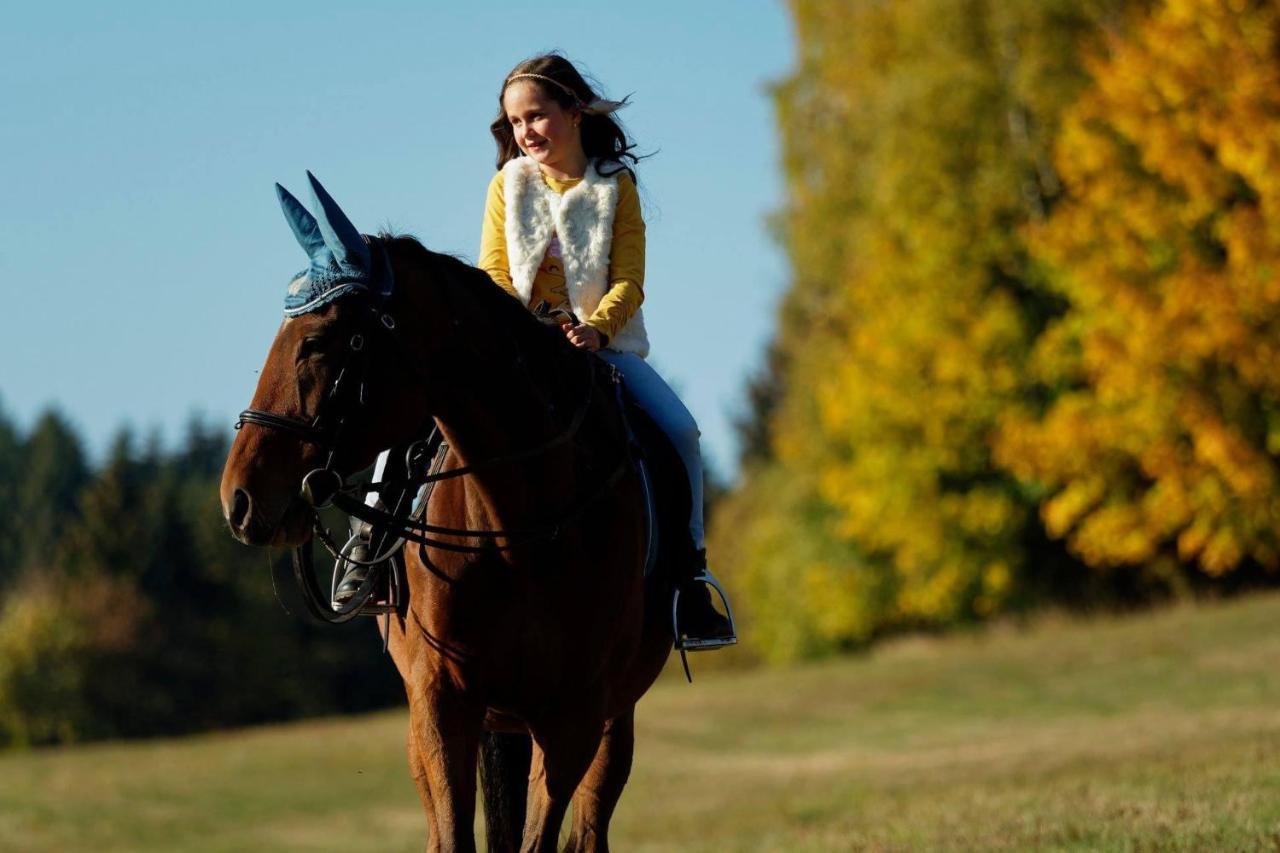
point(583, 220)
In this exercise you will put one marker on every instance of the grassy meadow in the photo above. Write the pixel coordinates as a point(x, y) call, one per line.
point(1155, 731)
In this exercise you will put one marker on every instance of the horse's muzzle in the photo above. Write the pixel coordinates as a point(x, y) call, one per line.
point(253, 522)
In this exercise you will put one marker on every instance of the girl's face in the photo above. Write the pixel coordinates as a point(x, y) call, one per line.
point(543, 129)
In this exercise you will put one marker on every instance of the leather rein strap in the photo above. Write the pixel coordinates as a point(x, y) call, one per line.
point(326, 433)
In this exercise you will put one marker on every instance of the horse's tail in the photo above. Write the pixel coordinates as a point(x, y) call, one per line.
point(504, 784)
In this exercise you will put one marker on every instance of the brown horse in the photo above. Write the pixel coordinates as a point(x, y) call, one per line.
point(547, 635)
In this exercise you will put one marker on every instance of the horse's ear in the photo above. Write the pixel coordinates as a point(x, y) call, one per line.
point(304, 225)
point(340, 235)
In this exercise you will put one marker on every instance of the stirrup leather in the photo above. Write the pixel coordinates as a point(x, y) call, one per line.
point(693, 644)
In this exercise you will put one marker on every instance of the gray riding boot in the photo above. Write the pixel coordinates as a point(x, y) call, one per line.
point(356, 574)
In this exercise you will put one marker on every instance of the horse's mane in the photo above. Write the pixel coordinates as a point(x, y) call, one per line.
point(514, 319)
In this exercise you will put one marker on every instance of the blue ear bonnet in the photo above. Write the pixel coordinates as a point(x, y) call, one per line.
point(342, 259)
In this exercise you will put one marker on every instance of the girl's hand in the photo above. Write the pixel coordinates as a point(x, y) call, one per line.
point(584, 337)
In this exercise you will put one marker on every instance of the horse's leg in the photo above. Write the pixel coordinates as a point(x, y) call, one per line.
point(561, 754)
point(418, 768)
point(504, 782)
point(447, 732)
point(601, 787)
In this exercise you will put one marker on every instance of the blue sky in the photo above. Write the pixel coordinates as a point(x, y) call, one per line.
point(143, 258)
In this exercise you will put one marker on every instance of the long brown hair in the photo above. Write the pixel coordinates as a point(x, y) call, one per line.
point(602, 135)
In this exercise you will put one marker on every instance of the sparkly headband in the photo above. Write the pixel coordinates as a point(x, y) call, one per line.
point(599, 106)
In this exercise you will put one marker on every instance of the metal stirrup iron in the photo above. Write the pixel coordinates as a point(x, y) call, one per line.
point(685, 645)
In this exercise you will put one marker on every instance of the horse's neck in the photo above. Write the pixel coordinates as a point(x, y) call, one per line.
point(510, 389)
point(505, 408)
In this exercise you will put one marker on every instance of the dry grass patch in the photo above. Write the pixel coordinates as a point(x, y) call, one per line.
point(1160, 731)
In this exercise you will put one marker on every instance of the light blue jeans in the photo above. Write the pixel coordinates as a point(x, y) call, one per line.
point(661, 403)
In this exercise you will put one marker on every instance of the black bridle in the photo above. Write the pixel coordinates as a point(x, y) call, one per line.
point(333, 414)
point(343, 403)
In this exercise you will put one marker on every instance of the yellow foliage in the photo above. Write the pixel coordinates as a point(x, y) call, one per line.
point(799, 592)
point(1031, 289)
point(1166, 248)
point(916, 139)
point(55, 636)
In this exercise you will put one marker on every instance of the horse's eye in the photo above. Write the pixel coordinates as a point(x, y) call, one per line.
point(309, 346)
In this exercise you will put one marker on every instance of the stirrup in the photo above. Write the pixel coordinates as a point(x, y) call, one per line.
point(375, 602)
point(697, 644)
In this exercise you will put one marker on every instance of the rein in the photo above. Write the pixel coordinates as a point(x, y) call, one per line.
point(324, 486)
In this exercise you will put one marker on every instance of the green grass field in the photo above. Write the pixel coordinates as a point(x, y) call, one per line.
point(1158, 731)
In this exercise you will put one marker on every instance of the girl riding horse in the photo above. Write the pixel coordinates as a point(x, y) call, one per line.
point(527, 615)
point(563, 231)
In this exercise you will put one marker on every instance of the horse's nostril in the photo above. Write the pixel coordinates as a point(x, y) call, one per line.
point(240, 505)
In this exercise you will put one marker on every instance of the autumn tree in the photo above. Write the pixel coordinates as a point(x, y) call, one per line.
point(917, 139)
point(1161, 444)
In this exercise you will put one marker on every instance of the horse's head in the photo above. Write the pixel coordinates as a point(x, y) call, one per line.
point(332, 391)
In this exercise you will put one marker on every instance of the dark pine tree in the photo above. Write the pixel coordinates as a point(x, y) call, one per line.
point(47, 497)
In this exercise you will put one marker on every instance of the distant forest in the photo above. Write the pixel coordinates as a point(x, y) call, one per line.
point(126, 608)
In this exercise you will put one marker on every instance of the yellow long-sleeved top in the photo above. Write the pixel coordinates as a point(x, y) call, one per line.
point(626, 256)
